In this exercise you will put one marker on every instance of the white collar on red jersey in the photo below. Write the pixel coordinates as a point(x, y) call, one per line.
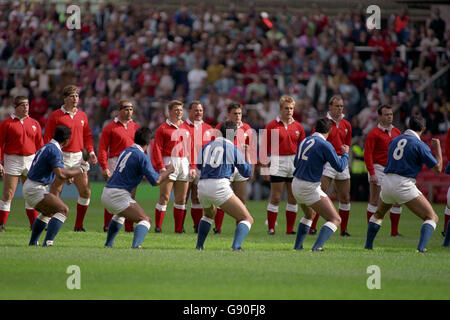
point(279, 120)
point(116, 119)
point(329, 117)
point(389, 129)
point(317, 134)
point(56, 143)
point(65, 111)
point(170, 123)
point(14, 116)
point(135, 145)
point(412, 133)
point(195, 124)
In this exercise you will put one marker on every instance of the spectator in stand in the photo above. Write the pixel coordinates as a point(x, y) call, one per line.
point(437, 24)
point(401, 26)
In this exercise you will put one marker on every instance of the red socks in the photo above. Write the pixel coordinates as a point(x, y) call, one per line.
point(394, 215)
point(196, 214)
point(160, 211)
point(344, 212)
point(81, 212)
point(106, 218)
point(314, 223)
point(128, 225)
point(32, 215)
point(179, 214)
point(3, 216)
point(218, 219)
point(291, 215)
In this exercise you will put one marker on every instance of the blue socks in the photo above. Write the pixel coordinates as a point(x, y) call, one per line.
point(425, 234)
point(325, 233)
point(53, 228)
point(36, 230)
point(240, 233)
point(372, 230)
point(302, 231)
point(114, 227)
point(203, 229)
point(447, 236)
point(139, 233)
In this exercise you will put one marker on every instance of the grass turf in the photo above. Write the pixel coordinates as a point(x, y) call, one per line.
point(170, 268)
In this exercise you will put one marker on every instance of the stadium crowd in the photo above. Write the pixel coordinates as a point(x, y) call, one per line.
point(151, 56)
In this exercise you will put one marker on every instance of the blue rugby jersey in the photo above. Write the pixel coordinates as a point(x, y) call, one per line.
point(133, 164)
point(407, 154)
point(46, 159)
point(218, 159)
point(312, 154)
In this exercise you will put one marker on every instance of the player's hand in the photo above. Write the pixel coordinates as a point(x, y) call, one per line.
point(192, 173)
point(93, 158)
point(70, 181)
point(170, 168)
point(373, 179)
point(85, 166)
point(2, 170)
point(345, 148)
point(106, 174)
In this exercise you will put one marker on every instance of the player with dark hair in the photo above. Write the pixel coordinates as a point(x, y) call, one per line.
point(244, 141)
point(375, 157)
point(133, 164)
point(200, 133)
point(219, 160)
point(20, 138)
point(169, 148)
point(406, 156)
point(281, 139)
point(47, 165)
point(116, 137)
point(340, 134)
point(70, 116)
point(312, 154)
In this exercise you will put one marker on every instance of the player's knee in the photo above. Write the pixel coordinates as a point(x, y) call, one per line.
point(337, 221)
point(275, 200)
point(250, 219)
point(64, 209)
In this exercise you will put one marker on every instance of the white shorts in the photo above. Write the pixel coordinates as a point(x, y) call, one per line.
point(34, 192)
point(214, 192)
point(72, 160)
point(112, 163)
point(330, 172)
point(237, 177)
point(16, 165)
point(282, 166)
point(398, 189)
point(379, 173)
point(181, 166)
point(116, 200)
point(307, 192)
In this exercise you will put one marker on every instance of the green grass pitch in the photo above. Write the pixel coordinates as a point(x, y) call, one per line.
point(170, 268)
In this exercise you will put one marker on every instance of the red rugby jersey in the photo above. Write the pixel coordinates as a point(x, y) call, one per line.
point(114, 139)
point(244, 138)
point(340, 135)
point(376, 146)
point(168, 142)
point(199, 135)
point(288, 137)
point(18, 137)
point(81, 133)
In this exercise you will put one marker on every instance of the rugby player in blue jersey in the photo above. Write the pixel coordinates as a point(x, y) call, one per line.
point(312, 155)
point(406, 156)
point(133, 164)
point(46, 166)
point(217, 162)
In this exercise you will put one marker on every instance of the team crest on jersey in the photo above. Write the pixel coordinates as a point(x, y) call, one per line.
point(297, 132)
point(82, 123)
point(34, 128)
point(346, 130)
